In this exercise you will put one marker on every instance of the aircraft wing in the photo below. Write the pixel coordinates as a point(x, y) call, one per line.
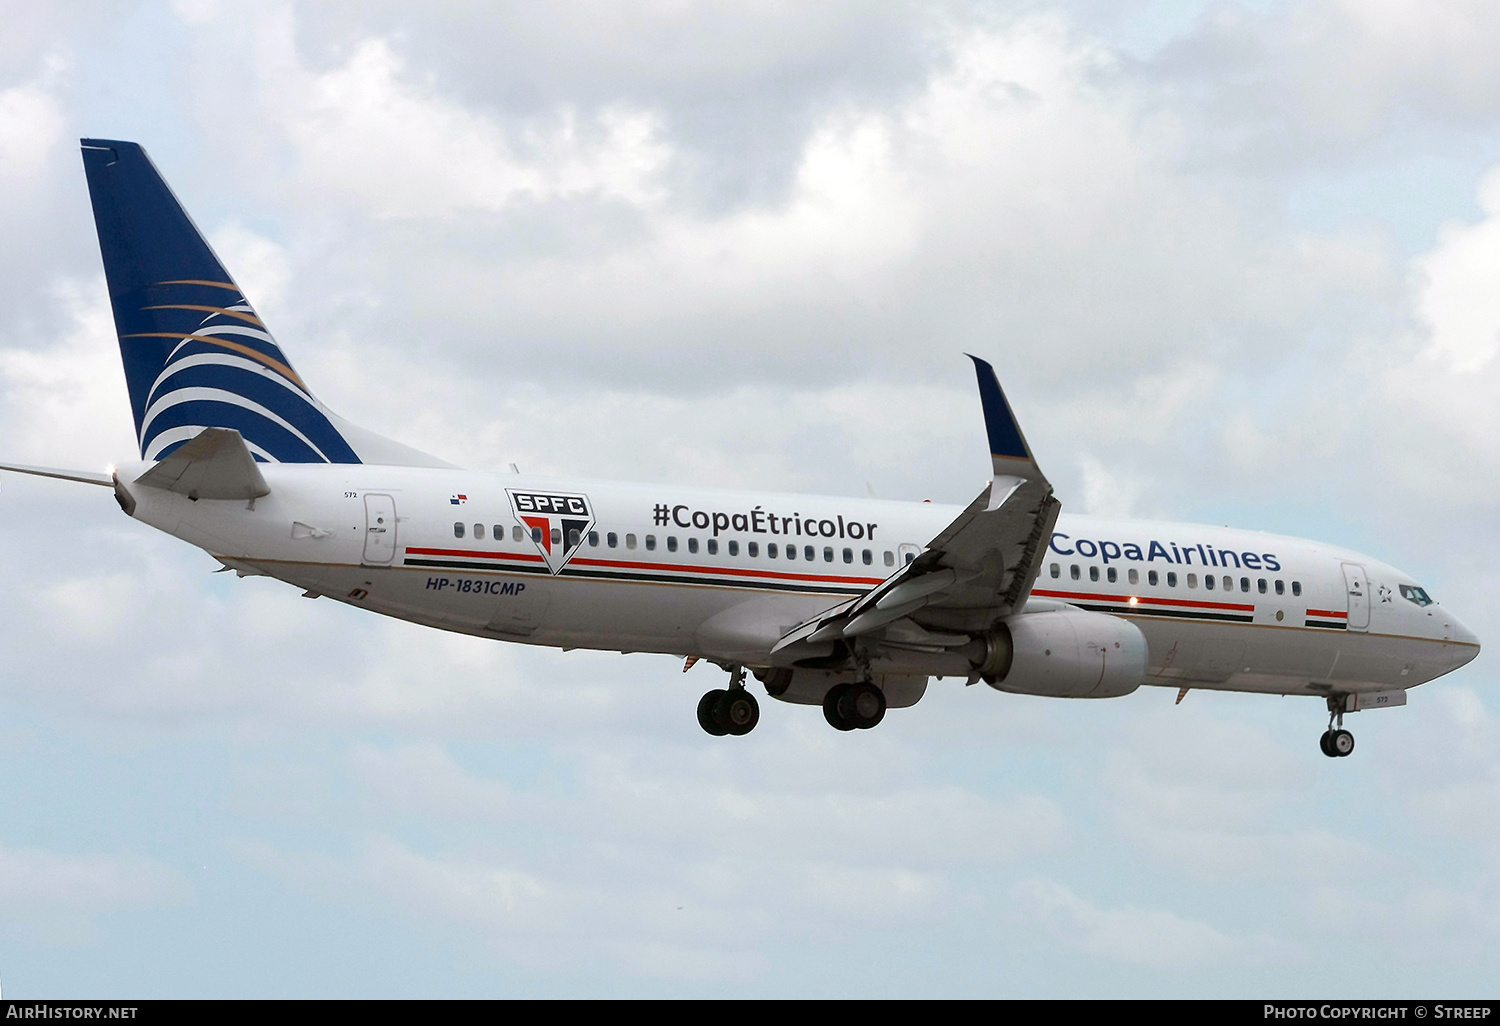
point(979, 569)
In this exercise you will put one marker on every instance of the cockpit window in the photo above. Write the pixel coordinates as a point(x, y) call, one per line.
point(1412, 593)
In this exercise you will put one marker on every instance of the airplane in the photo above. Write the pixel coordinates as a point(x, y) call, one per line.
point(850, 604)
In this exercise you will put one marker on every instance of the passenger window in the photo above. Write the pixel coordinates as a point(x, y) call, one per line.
point(479, 532)
point(1151, 578)
point(848, 555)
point(1208, 581)
point(1112, 574)
point(713, 546)
point(573, 538)
point(1073, 572)
point(1192, 580)
point(1171, 579)
point(1260, 585)
point(1280, 588)
point(671, 543)
point(1296, 587)
point(692, 544)
point(1093, 573)
point(752, 549)
point(772, 550)
point(650, 543)
point(828, 553)
point(791, 552)
point(458, 530)
point(1135, 576)
point(1056, 570)
point(809, 553)
point(516, 533)
point(734, 547)
point(612, 540)
point(890, 558)
point(1244, 584)
point(1228, 583)
point(557, 536)
point(630, 541)
point(497, 532)
point(868, 557)
point(536, 535)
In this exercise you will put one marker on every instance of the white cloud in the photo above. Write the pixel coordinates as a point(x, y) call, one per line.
point(64, 402)
point(32, 879)
point(1206, 795)
point(1459, 795)
point(259, 265)
point(60, 897)
point(1455, 290)
point(1430, 402)
point(364, 131)
point(880, 826)
point(1151, 938)
point(1109, 491)
point(31, 126)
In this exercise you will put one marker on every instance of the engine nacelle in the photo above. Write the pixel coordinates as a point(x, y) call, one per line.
point(1070, 653)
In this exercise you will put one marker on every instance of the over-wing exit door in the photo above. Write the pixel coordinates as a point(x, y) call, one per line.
point(380, 529)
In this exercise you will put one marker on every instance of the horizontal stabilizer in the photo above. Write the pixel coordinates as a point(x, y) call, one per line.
point(84, 476)
point(215, 464)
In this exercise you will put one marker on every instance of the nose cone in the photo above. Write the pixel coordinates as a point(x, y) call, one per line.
point(1465, 644)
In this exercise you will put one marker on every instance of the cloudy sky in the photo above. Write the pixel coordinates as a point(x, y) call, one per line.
point(1236, 262)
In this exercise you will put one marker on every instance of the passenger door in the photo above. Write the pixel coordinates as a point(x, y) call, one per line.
point(1358, 587)
point(380, 530)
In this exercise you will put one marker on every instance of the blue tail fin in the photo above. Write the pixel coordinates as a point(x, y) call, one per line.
point(196, 355)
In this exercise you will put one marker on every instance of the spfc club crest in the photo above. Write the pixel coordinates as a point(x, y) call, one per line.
point(556, 522)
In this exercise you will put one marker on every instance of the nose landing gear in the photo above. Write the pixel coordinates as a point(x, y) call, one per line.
point(1336, 742)
point(732, 711)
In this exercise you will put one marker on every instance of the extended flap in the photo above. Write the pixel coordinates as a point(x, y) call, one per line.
point(214, 465)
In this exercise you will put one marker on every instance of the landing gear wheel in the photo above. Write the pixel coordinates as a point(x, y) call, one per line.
point(707, 707)
point(832, 707)
point(738, 711)
point(1336, 742)
point(862, 705)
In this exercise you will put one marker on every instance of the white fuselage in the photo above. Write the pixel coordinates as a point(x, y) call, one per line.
point(661, 568)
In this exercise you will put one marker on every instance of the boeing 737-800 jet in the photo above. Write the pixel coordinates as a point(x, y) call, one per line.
point(851, 604)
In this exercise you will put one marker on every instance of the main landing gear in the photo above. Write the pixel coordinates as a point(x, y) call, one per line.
point(854, 706)
point(730, 711)
point(1336, 742)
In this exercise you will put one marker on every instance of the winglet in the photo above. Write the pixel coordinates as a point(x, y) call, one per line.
point(214, 464)
point(1006, 440)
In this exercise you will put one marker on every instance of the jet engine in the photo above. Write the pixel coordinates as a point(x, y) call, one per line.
point(1070, 653)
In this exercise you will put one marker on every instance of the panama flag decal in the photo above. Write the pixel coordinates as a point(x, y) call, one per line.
point(556, 522)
